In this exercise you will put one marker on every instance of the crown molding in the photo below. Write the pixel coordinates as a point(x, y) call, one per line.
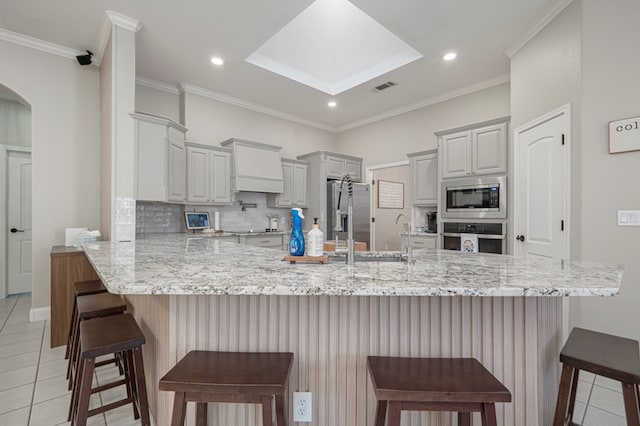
point(35, 43)
point(428, 102)
point(200, 91)
point(158, 85)
point(533, 31)
point(123, 21)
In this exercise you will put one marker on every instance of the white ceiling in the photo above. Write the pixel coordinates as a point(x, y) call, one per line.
point(179, 38)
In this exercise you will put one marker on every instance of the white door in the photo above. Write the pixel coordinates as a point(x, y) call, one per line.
point(541, 190)
point(19, 223)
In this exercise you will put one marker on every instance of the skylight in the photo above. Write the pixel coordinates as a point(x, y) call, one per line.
point(333, 46)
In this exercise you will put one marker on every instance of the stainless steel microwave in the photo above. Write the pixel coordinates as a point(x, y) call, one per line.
point(475, 198)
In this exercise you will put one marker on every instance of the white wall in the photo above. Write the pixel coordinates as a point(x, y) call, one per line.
point(577, 58)
point(392, 139)
point(157, 102)
point(211, 122)
point(610, 91)
point(65, 140)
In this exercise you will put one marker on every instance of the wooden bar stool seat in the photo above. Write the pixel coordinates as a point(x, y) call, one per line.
point(81, 288)
point(104, 336)
point(88, 307)
point(460, 385)
point(614, 357)
point(239, 377)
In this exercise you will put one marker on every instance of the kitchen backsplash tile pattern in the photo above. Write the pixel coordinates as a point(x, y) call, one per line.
point(155, 217)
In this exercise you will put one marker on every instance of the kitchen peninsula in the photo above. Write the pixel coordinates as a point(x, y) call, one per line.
point(206, 293)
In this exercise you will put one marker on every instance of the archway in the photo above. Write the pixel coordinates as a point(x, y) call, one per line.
point(15, 195)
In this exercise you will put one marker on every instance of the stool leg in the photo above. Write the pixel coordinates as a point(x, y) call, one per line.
point(464, 419)
point(563, 395)
point(394, 413)
point(72, 344)
point(141, 386)
point(381, 413)
point(201, 414)
point(73, 321)
point(85, 391)
point(267, 416)
point(572, 395)
point(75, 392)
point(179, 409)
point(129, 377)
point(629, 393)
point(489, 415)
point(281, 418)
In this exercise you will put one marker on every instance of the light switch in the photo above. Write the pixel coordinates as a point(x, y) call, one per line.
point(628, 217)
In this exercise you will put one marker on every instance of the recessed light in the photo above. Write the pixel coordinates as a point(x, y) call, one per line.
point(217, 61)
point(332, 104)
point(450, 56)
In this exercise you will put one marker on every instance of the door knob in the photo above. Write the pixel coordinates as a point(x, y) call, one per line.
point(14, 230)
point(520, 238)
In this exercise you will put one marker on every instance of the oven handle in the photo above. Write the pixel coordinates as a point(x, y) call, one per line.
point(480, 236)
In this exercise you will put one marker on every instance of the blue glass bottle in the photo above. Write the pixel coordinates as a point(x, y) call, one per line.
point(296, 241)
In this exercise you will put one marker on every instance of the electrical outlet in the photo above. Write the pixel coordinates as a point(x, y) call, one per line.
point(302, 406)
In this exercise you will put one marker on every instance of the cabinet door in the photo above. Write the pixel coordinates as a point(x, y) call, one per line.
point(197, 175)
point(285, 199)
point(151, 163)
point(274, 241)
point(220, 177)
point(300, 185)
point(423, 242)
point(456, 155)
point(335, 167)
point(490, 149)
point(177, 173)
point(354, 169)
point(424, 180)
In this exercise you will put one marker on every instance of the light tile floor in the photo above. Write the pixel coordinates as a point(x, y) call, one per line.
point(33, 388)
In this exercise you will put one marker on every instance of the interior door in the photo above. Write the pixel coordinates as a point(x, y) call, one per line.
point(541, 191)
point(19, 222)
point(387, 233)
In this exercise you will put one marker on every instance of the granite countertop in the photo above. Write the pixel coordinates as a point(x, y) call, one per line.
point(182, 264)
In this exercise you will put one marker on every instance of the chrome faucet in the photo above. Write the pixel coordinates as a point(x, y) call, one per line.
point(351, 245)
point(406, 227)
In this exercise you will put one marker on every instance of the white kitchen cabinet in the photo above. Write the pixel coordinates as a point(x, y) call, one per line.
point(419, 241)
point(159, 158)
point(424, 178)
point(474, 150)
point(208, 175)
point(295, 186)
point(339, 165)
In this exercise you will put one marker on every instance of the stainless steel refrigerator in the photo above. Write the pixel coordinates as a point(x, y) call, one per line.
point(361, 211)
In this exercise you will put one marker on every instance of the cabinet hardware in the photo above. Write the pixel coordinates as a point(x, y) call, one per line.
point(14, 230)
point(520, 238)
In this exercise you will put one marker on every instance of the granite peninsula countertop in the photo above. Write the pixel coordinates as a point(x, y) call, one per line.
point(181, 264)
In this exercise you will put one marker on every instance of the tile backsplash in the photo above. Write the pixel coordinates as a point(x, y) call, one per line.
point(155, 217)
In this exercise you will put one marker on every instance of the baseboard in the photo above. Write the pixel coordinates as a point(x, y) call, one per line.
point(40, 314)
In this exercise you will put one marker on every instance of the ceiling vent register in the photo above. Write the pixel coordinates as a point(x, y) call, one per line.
point(384, 86)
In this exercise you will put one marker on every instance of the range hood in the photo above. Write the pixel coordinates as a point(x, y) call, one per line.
point(256, 167)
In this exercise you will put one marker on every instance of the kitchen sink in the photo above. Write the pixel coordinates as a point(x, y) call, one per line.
point(364, 256)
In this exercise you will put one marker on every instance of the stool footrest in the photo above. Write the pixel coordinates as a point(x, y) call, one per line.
point(110, 406)
point(108, 386)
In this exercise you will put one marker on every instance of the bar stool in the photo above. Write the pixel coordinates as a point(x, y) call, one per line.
point(104, 336)
point(610, 356)
point(434, 384)
point(244, 377)
point(88, 307)
point(81, 288)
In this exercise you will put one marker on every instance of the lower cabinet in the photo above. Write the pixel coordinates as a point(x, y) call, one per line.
point(68, 265)
point(271, 241)
point(420, 241)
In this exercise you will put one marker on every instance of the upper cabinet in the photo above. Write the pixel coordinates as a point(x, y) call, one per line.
point(208, 174)
point(424, 178)
point(340, 165)
point(159, 158)
point(474, 150)
point(295, 186)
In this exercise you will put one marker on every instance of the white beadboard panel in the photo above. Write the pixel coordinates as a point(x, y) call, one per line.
point(517, 339)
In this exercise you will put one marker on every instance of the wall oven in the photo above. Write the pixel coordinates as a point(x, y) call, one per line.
point(491, 236)
point(475, 198)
